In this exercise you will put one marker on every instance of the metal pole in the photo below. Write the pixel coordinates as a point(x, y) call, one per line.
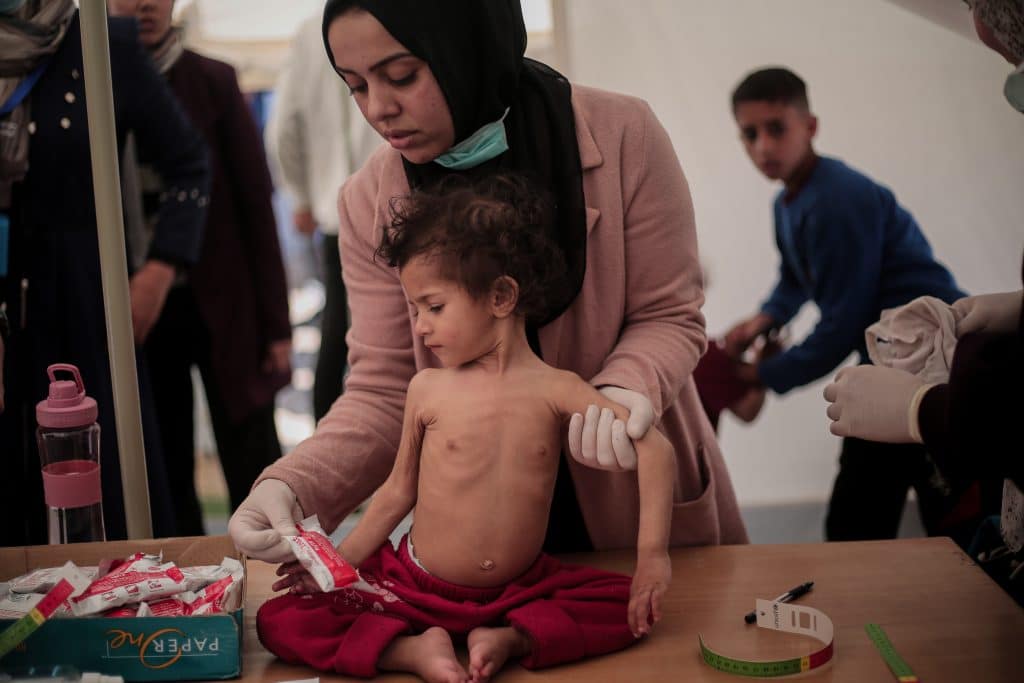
point(114, 267)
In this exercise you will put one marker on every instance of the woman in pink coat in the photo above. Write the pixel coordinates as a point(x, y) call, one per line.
point(447, 85)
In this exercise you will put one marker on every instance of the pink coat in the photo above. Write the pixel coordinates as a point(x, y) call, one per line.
point(636, 324)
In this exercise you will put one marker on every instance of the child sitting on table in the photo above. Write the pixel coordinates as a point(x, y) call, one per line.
point(478, 456)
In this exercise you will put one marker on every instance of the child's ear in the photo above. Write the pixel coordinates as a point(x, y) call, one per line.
point(504, 296)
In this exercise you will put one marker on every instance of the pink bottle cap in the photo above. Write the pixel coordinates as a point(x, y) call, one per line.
point(67, 406)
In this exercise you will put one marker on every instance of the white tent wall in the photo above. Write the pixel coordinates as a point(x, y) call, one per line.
point(915, 105)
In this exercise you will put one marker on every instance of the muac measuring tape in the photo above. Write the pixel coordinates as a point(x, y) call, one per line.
point(788, 618)
point(900, 669)
point(72, 582)
point(36, 617)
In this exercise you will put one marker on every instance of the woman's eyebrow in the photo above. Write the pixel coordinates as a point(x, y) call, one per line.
point(382, 63)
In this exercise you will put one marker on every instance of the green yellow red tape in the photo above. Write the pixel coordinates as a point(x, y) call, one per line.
point(17, 632)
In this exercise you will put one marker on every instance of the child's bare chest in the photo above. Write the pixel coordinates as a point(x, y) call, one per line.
point(484, 433)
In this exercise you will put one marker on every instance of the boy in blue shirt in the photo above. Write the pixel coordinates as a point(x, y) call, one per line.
point(849, 247)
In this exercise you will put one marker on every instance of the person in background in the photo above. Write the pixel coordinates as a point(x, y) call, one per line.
point(448, 86)
point(847, 245)
point(228, 315)
point(971, 423)
point(316, 138)
point(51, 286)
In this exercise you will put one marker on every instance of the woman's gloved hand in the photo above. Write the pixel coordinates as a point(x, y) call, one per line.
point(600, 441)
point(988, 312)
point(262, 520)
point(876, 403)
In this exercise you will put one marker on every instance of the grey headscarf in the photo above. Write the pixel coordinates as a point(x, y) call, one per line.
point(31, 34)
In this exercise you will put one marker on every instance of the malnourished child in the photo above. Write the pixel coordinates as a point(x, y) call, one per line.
point(479, 453)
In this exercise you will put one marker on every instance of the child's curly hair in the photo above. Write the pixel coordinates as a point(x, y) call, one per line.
point(480, 231)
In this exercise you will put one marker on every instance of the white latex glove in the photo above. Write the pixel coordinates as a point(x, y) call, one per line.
point(268, 513)
point(876, 403)
point(988, 312)
point(602, 442)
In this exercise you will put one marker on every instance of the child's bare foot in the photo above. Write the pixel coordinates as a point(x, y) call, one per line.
point(489, 648)
point(429, 655)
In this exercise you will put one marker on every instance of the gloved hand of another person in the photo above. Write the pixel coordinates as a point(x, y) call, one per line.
point(988, 313)
point(875, 403)
point(602, 442)
point(262, 520)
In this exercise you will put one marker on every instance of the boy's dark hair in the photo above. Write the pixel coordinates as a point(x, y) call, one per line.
point(775, 84)
point(480, 230)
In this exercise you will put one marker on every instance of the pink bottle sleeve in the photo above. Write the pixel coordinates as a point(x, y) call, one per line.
point(72, 484)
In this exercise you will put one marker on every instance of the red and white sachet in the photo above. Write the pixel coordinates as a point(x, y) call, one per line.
point(124, 611)
point(223, 595)
point(17, 605)
point(204, 575)
point(64, 582)
point(143, 577)
point(320, 558)
point(42, 580)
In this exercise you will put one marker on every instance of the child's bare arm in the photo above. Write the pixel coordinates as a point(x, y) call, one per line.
point(397, 495)
point(656, 477)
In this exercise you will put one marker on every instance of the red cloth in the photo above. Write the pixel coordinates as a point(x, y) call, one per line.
point(569, 612)
point(717, 383)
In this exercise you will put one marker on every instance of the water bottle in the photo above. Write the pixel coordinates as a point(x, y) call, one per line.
point(54, 674)
point(69, 448)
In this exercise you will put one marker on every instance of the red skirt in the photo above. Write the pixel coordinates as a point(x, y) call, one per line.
point(568, 612)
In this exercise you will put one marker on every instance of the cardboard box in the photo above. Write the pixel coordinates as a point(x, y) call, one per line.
point(146, 649)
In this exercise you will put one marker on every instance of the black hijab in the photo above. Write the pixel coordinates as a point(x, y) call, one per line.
point(475, 50)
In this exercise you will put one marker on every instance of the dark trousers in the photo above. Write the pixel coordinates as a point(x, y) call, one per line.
point(870, 492)
point(333, 356)
point(178, 341)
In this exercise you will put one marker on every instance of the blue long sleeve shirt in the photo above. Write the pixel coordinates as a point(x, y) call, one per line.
point(852, 250)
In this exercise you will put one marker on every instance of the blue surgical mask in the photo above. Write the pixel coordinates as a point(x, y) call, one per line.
point(1014, 89)
point(486, 143)
point(10, 6)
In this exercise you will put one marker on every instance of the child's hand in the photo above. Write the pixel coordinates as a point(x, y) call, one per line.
point(651, 580)
point(296, 579)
